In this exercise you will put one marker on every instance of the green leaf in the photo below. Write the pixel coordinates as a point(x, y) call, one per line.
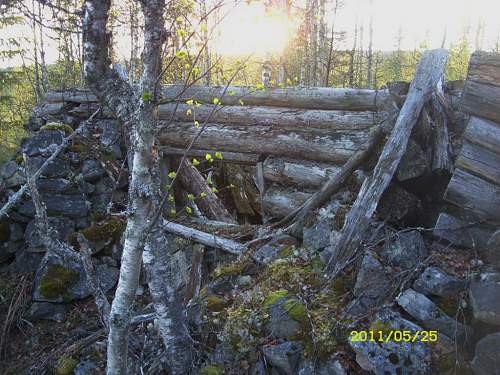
point(189, 102)
point(173, 211)
point(146, 96)
point(209, 180)
point(209, 158)
point(196, 162)
point(171, 198)
point(218, 155)
point(241, 102)
point(196, 124)
point(214, 189)
point(216, 101)
point(190, 197)
point(189, 112)
point(181, 54)
point(203, 194)
point(189, 210)
point(172, 174)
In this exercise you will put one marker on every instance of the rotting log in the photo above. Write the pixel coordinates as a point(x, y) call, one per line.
point(286, 118)
point(480, 161)
point(286, 171)
point(195, 184)
point(429, 73)
point(333, 147)
point(481, 99)
point(227, 156)
point(484, 67)
point(326, 98)
point(441, 148)
point(483, 133)
point(471, 192)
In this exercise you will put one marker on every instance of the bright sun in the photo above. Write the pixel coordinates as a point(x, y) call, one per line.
point(249, 29)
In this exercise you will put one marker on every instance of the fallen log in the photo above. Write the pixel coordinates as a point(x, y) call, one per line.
point(471, 192)
point(332, 147)
point(484, 67)
point(429, 73)
point(203, 238)
point(286, 171)
point(227, 156)
point(297, 97)
point(480, 161)
point(481, 99)
point(442, 160)
point(286, 118)
point(279, 202)
point(483, 133)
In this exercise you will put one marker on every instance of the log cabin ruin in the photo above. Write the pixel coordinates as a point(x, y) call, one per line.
point(383, 203)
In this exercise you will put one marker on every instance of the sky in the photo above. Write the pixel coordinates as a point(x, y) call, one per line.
point(248, 29)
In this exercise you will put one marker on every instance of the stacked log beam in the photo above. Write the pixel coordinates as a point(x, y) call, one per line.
point(475, 184)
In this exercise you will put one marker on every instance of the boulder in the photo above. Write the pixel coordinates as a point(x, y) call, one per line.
point(433, 281)
point(271, 250)
point(330, 367)
point(47, 311)
point(284, 357)
point(92, 170)
point(39, 142)
point(71, 205)
point(25, 262)
point(281, 324)
point(58, 185)
point(459, 232)
point(317, 236)
point(16, 232)
point(431, 316)
point(8, 169)
point(484, 296)
point(405, 249)
point(63, 227)
point(487, 355)
point(55, 169)
point(393, 357)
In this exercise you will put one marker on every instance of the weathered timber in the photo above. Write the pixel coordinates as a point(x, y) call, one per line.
point(441, 149)
point(483, 133)
point(288, 118)
point(279, 202)
point(227, 156)
point(207, 239)
point(297, 172)
point(480, 161)
point(193, 182)
point(429, 73)
point(484, 67)
point(471, 192)
point(483, 100)
point(333, 147)
point(297, 97)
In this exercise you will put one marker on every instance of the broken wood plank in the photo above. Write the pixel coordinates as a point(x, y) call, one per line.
point(483, 133)
point(480, 161)
point(484, 67)
point(429, 73)
point(286, 118)
point(483, 100)
point(286, 171)
point(227, 156)
point(333, 147)
point(474, 193)
point(207, 239)
point(327, 98)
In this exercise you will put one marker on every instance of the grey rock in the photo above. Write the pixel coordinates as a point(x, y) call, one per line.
point(25, 262)
point(317, 236)
point(104, 185)
point(406, 249)
point(8, 169)
point(398, 358)
point(459, 232)
point(58, 185)
point(491, 253)
point(270, 251)
point(434, 281)
point(85, 367)
point(16, 232)
point(487, 355)
point(110, 136)
point(108, 276)
point(330, 367)
point(71, 205)
point(55, 169)
point(48, 311)
point(484, 298)
point(36, 144)
point(17, 179)
point(431, 316)
point(280, 324)
point(92, 170)
point(284, 357)
point(63, 227)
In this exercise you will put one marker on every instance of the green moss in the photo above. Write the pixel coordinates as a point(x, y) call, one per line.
point(297, 311)
point(446, 362)
point(110, 229)
point(286, 252)
point(211, 370)
point(235, 269)
point(340, 285)
point(4, 231)
point(216, 303)
point(66, 366)
point(448, 305)
point(19, 159)
point(67, 129)
point(274, 297)
point(379, 327)
point(78, 148)
point(57, 280)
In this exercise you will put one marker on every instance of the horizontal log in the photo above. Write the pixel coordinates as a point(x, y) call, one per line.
point(290, 118)
point(473, 193)
point(279, 202)
point(78, 96)
point(297, 172)
point(47, 109)
point(480, 161)
point(333, 147)
point(231, 157)
point(482, 100)
point(484, 67)
point(296, 97)
point(483, 133)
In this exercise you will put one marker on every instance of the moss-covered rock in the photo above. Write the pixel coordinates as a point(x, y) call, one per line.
point(79, 148)
point(108, 231)
point(66, 366)
point(274, 297)
point(211, 370)
point(57, 281)
point(216, 303)
point(4, 231)
point(67, 129)
point(237, 268)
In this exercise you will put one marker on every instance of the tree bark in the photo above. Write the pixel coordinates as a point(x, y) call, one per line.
point(428, 75)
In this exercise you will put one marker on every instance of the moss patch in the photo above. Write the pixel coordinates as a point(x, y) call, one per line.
point(67, 129)
point(56, 282)
point(79, 148)
point(216, 303)
point(211, 370)
point(110, 229)
point(274, 297)
point(238, 268)
point(4, 231)
point(66, 366)
point(19, 159)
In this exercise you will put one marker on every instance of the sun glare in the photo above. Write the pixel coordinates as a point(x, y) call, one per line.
point(251, 29)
